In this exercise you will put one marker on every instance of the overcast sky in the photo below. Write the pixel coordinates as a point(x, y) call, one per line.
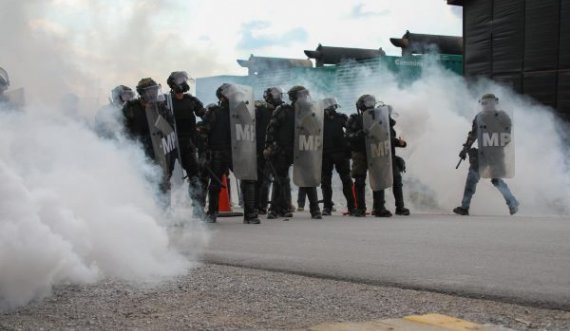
point(120, 41)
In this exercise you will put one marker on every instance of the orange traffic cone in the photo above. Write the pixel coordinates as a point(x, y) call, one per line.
point(224, 205)
point(224, 201)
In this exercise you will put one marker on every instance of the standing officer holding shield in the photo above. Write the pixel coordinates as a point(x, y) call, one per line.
point(231, 143)
point(495, 158)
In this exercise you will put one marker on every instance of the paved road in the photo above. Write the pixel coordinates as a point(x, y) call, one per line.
point(519, 259)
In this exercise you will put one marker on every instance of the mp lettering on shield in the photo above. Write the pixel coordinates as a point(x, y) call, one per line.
point(309, 143)
point(244, 132)
point(496, 139)
point(169, 143)
point(380, 149)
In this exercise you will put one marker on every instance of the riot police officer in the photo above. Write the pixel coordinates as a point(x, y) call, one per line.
point(120, 95)
point(5, 102)
point(279, 151)
point(494, 163)
point(356, 135)
point(140, 118)
point(216, 125)
point(272, 98)
point(107, 122)
point(336, 154)
point(398, 167)
point(186, 107)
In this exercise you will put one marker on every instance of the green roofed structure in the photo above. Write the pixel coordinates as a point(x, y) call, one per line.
point(341, 80)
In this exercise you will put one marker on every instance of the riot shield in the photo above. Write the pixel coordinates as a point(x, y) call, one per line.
point(496, 144)
point(162, 130)
point(177, 172)
point(376, 124)
point(308, 149)
point(242, 127)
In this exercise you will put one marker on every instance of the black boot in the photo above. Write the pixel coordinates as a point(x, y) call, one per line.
point(326, 189)
point(314, 203)
point(461, 211)
point(262, 194)
point(358, 212)
point(211, 218)
point(275, 199)
point(249, 210)
point(379, 205)
point(399, 197)
point(213, 204)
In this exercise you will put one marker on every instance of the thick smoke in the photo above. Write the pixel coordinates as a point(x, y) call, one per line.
point(75, 207)
point(434, 115)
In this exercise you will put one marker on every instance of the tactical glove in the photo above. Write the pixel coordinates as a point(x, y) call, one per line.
point(463, 153)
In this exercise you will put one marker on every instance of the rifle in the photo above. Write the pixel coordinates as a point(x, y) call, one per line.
point(465, 148)
point(458, 163)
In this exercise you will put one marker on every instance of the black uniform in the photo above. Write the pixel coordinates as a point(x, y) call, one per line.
point(204, 175)
point(336, 154)
point(136, 125)
point(216, 123)
point(137, 128)
point(263, 112)
point(185, 111)
point(280, 139)
point(356, 137)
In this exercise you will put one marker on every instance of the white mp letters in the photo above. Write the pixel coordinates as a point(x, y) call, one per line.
point(380, 149)
point(309, 143)
point(244, 132)
point(496, 139)
point(169, 143)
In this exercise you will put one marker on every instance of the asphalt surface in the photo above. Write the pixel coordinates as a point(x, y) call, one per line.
point(513, 259)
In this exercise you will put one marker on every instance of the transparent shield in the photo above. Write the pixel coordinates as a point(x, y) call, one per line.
point(242, 124)
point(495, 138)
point(308, 149)
point(151, 94)
point(163, 135)
point(376, 123)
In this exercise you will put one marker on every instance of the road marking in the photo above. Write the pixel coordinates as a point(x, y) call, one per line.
point(428, 322)
point(446, 322)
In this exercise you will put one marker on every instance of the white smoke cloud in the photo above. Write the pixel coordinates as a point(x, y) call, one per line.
point(435, 115)
point(75, 208)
